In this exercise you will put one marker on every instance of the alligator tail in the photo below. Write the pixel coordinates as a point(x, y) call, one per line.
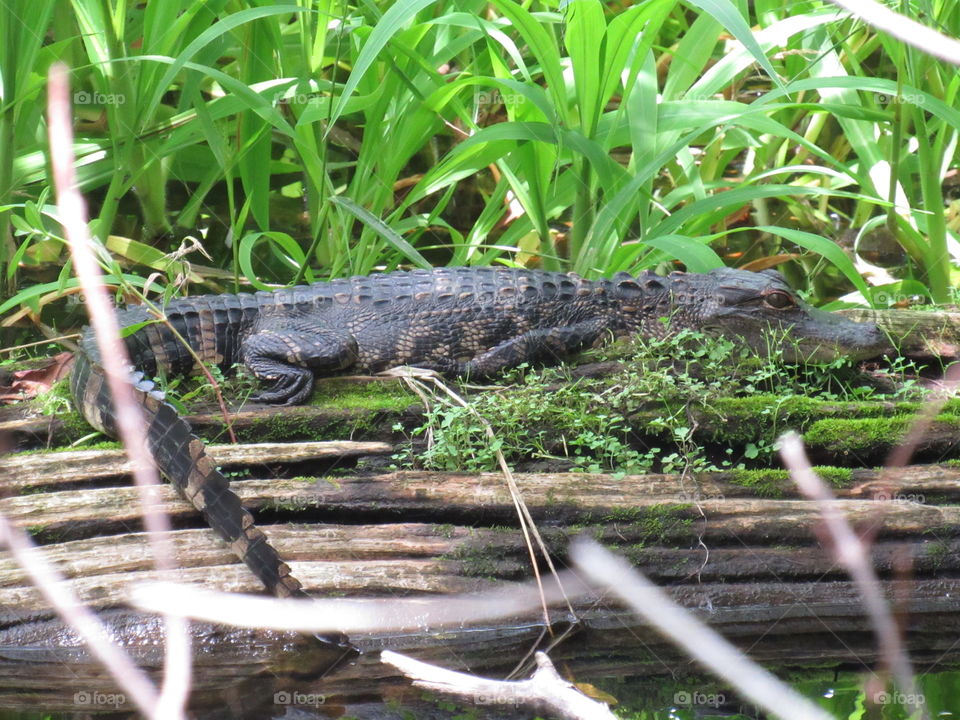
point(181, 457)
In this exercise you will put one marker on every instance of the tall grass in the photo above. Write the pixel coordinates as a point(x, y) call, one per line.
point(316, 139)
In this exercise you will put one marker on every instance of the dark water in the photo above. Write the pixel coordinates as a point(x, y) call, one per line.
point(841, 694)
point(66, 696)
point(262, 674)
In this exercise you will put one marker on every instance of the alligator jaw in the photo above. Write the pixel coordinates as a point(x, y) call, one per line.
point(824, 336)
point(762, 310)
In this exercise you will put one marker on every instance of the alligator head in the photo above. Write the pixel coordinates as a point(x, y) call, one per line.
point(761, 308)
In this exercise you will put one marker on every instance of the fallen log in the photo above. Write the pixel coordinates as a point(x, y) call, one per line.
point(916, 333)
point(24, 472)
point(450, 532)
point(751, 566)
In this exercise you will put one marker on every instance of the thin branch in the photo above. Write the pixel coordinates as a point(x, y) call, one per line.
point(751, 681)
point(61, 340)
point(113, 354)
point(904, 29)
point(57, 591)
point(369, 615)
point(545, 693)
point(854, 556)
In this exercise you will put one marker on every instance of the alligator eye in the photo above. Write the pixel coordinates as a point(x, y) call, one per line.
point(778, 300)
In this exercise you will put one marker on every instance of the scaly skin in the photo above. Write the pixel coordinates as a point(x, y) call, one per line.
point(472, 322)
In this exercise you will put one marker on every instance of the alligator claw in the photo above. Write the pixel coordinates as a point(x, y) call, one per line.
point(289, 390)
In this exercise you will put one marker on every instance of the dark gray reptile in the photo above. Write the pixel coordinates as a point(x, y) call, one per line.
point(472, 322)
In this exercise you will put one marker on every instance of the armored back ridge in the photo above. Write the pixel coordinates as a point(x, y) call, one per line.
point(473, 322)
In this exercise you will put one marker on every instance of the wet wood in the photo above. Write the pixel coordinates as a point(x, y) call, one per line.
point(451, 532)
point(747, 558)
point(402, 558)
point(483, 498)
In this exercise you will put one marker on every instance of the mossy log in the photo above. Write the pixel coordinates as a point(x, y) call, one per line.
point(434, 533)
point(848, 433)
point(251, 423)
point(751, 566)
point(25, 472)
point(740, 548)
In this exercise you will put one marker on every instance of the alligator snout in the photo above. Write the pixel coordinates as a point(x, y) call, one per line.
point(824, 336)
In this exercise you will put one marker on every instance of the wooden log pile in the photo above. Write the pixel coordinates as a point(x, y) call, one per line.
point(751, 566)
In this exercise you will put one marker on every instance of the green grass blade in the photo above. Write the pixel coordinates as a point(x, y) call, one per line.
point(728, 16)
point(215, 31)
point(693, 54)
point(544, 49)
point(389, 25)
point(777, 35)
point(290, 253)
point(693, 253)
point(584, 41)
point(383, 230)
point(822, 246)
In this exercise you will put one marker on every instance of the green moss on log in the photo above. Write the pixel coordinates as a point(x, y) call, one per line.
point(773, 483)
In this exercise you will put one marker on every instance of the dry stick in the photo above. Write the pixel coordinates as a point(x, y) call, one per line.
point(115, 361)
point(59, 339)
point(612, 572)
point(854, 556)
point(904, 28)
point(372, 615)
point(546, 693)
point(58, 592)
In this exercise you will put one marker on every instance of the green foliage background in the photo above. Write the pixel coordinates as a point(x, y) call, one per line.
point(304, 139)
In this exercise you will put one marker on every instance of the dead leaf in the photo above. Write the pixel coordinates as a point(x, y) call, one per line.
point(27, 384)
point(768, 262)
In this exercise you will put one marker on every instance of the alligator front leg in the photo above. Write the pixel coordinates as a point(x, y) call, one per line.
point(547, 346)
point(288, 360)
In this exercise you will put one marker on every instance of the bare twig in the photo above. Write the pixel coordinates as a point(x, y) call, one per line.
point(58, 593)
point(904, 28)
point(854, 556)
point(62, 339)
point(614, 573)
point(545, 693)
point(356, 616)
point(113, 354)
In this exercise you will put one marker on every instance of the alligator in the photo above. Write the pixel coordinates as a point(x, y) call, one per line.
point(461, 322)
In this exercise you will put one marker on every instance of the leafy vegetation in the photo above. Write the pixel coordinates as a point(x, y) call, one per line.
point(672, 404)
point(295, 141)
